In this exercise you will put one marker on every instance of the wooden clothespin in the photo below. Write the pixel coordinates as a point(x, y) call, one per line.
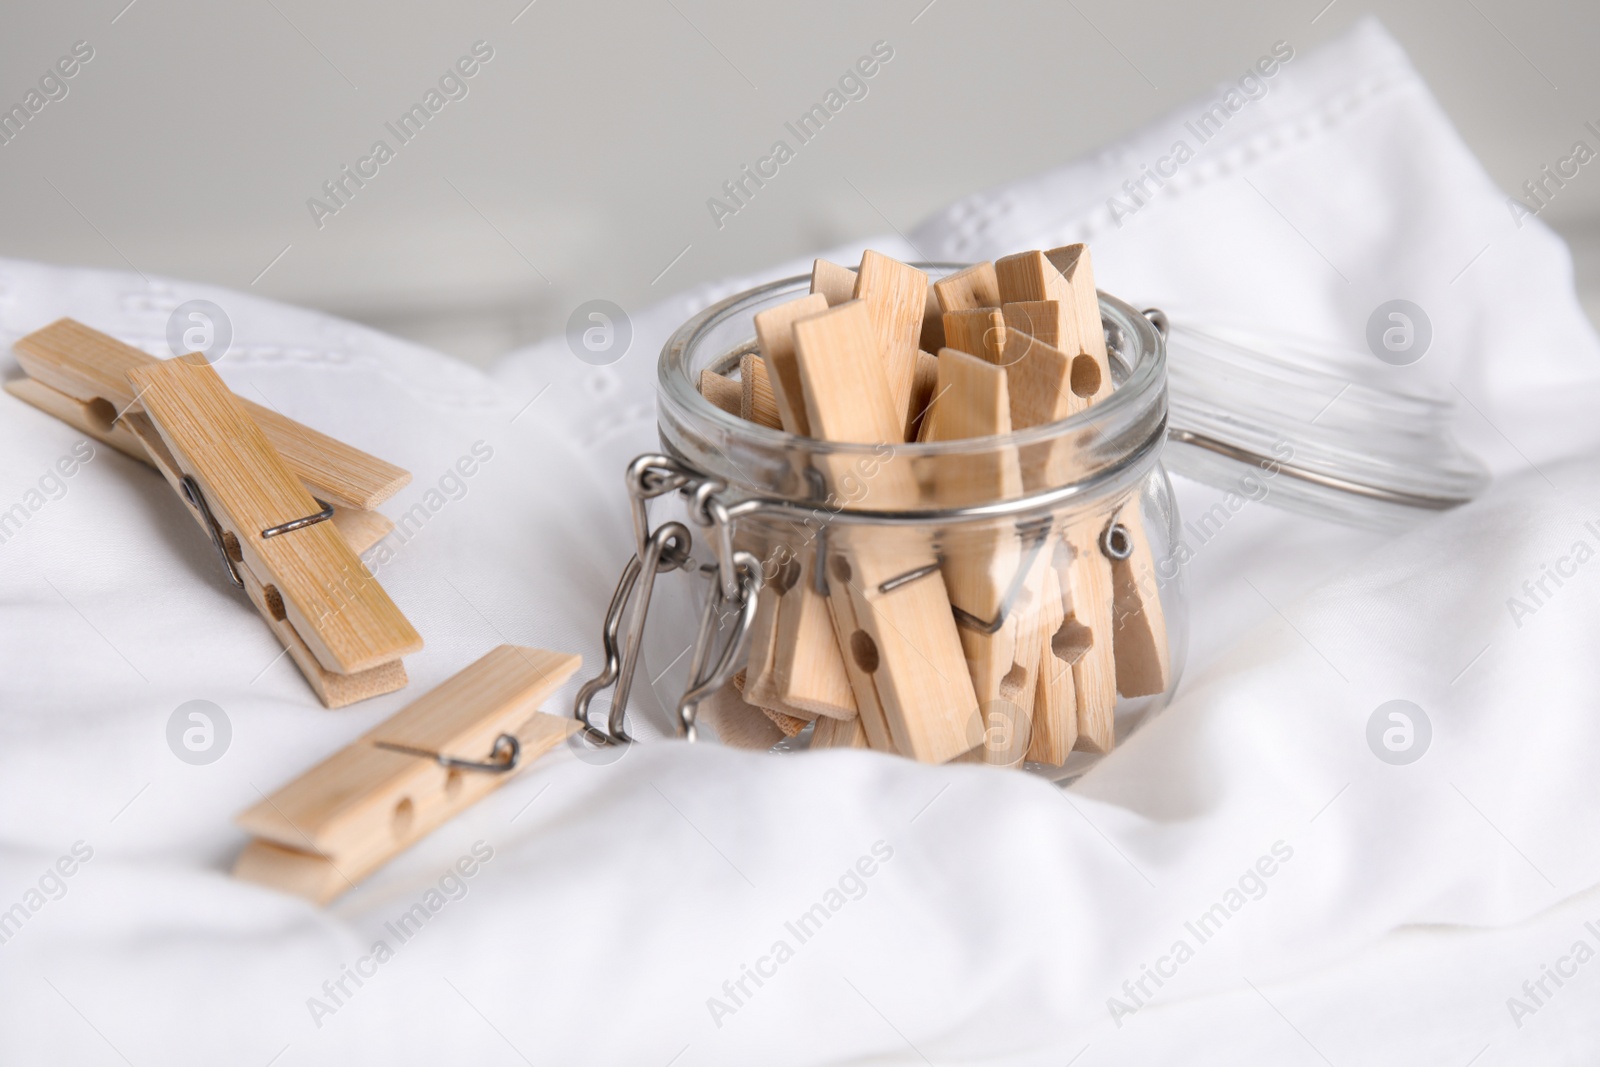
point(775, 342)
point(896, 298)
point(1075, 268)
point(890, 604)
point(993, 571)
point(1140, 625)
point(1054, 294)
point(762, 685)
point(805, 673)
point(1055, 703)
point(1034, 291)
point(832, 282)
point(322, 833)
point(334, 618)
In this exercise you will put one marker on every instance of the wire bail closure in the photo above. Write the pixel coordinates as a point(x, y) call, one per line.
point(667, 548)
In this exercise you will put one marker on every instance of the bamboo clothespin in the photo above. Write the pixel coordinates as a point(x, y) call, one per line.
point(896, 298)
point(775, 342)
point(1031, 278)
point(1035, 278)
point(350, 814)
point(334, 618)
point(1054, 293)
point(993, 571)
point(805, 674)
point(1075, 268)
point(762, 684)
point(890, 605)
point(1055, 703)
point(1140, 624)
point(832, 282)
point(808, 668)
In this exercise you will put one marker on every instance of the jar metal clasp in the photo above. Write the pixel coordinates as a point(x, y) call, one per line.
point(667, 548)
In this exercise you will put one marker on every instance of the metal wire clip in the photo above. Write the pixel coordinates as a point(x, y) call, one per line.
point(197, 500)
point(666, 548)
point(503, 757)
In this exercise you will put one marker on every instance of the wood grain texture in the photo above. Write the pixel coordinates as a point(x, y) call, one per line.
point(1061, 311)
point(863, 685)
point(322, 878)
point(808, 667)
point(757, 402)
point(334, 690)
point(364, 803)
point(775, 342)
point(87, 417)
point(839, 733)
point(966, 290)
point(978, 332)
point(1047, 320)
point(1075, 267)
point(832, 282)
point(84, 363)
point(723, 392)
point(362, 529)
point(981, 561)
point(1089, 593)
point(906, 638)
point(923, 388)
point(1042, 378)
point(1140, 642)
point(896, 295)
point(1029, 276)
point(1055, 704)
point(335, 605)
point(1138, 613)
point(760, 685)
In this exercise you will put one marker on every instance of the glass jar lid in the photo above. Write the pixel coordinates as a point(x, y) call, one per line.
point(1337, 440)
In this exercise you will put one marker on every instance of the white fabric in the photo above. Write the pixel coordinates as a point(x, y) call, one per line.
point(1406, 903)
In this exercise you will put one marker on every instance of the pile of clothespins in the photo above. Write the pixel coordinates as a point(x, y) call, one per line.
point(288, 511)
point(1006, 644)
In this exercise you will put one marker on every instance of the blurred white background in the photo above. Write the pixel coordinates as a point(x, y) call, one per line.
point(580, 160)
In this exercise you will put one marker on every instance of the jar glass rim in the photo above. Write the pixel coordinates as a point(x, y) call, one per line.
point(677, 386)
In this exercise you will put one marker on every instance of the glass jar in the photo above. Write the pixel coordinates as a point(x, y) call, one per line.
point(1008, 599)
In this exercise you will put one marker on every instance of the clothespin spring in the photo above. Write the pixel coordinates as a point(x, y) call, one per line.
point(504, 757)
